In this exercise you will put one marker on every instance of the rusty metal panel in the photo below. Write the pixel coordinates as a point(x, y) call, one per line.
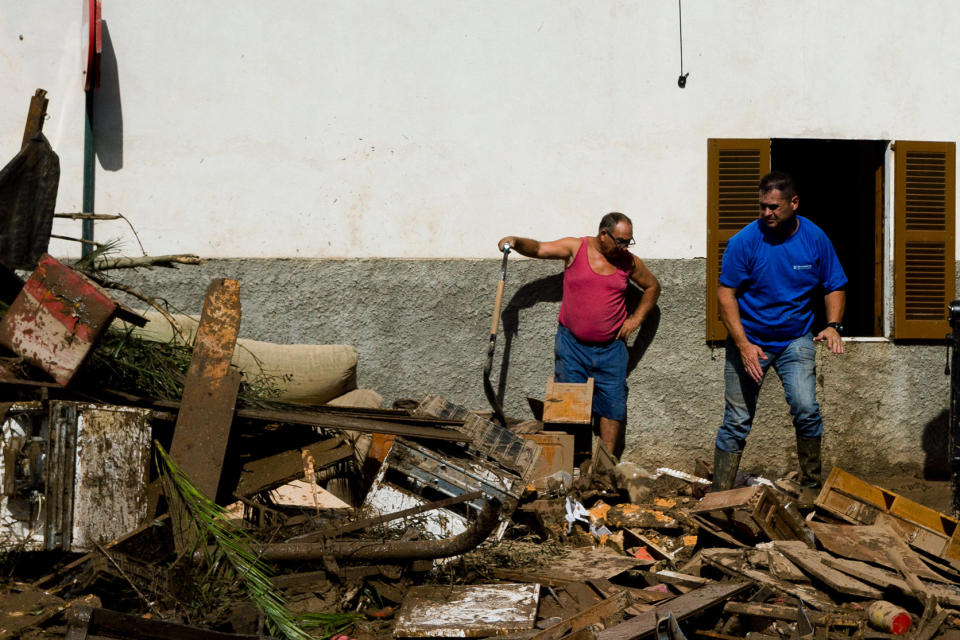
point(568, 402)
point(210, 390)
point(472, 611)
point(23, 446)
point(56, 319)
point(73, 474)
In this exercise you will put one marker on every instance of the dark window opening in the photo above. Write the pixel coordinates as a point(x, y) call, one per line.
point(840, 183)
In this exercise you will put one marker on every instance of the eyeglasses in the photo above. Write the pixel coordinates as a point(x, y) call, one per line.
point(621, 242)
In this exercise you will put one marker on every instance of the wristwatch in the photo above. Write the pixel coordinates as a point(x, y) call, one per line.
point(837, 326)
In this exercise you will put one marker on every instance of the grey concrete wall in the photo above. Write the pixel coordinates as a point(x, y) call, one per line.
point(422, 326)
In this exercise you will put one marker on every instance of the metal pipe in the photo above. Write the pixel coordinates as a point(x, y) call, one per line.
point(88, 173)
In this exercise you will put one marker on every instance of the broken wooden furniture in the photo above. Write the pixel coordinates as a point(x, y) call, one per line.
point(754, 513)
point(568, 408)
point(492, 460)
point(858, 502)
point(56, 319)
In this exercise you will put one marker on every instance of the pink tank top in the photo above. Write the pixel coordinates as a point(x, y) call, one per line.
point(593, 305)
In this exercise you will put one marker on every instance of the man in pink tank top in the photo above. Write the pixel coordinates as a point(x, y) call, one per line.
point(594, 325)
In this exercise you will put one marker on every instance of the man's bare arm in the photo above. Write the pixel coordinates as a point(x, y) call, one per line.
point(750, 354)
point(562, 249)
point(644, 279)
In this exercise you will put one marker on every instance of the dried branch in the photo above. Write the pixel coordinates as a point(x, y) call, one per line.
point(146, 261)
point(88, 216)
point(153, 302)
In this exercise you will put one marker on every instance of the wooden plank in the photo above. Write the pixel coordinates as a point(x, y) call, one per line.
point(599, 612)
point(810, 561)
point(729, 499)
point(780, 612)
point(352, 423)
point(556, 452)
point(583, 594)
point(733, 563)
point(568, 402)
point(210, 390)
point(782, 568)
point(273, 471)
point(869, 543)
point(576, 565)
point(35, 116)
point(681, 607)
point(682, 579)
point(467, 611)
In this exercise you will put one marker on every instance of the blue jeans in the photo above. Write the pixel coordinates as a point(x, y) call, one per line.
point(797, 369)
point(575, 361)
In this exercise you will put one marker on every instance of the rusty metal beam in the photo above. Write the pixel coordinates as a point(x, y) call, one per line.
point(389, 550)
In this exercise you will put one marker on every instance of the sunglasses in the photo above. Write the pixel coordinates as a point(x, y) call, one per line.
point(621, 242)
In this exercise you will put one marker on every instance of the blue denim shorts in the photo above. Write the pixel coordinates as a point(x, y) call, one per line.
point(606, 363)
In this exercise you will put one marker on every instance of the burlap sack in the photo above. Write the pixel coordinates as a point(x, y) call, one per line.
point(305, 373)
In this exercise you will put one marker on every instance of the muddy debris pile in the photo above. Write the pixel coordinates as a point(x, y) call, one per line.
point(214, 507)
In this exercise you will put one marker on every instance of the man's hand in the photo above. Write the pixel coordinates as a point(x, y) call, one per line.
point(750, 355)
point(512, 240)
point(629, 325)
point(834, 342)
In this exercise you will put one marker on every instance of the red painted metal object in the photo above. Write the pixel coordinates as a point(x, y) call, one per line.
point(56, 319)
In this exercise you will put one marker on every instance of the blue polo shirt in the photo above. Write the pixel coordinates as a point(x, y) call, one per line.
point(777, 280)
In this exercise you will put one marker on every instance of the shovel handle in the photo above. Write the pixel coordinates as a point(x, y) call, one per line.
point(498, 301)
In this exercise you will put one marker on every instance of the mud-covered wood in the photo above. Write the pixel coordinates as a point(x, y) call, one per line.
point(780, 612)
point(273, 471)
point(467, 611)
point(210, 390)
point(810, 561)
point(597, 613)
point(681, 607)
point(568, 402)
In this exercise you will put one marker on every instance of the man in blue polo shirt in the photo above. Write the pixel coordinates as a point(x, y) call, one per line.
point(772, 270)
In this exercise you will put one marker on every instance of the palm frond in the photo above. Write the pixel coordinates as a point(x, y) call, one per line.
point(209, 521)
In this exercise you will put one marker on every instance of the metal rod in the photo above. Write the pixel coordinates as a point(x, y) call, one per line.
point(88, 173)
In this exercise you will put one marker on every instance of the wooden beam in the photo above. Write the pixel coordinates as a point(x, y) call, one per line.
point(35, 116)
point(681, 607)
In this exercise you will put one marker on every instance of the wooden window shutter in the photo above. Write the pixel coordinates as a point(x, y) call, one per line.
point(924, 228)
point(734, 168)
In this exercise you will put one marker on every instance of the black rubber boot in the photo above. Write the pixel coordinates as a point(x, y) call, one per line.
point(808, 452)
point(725, 466)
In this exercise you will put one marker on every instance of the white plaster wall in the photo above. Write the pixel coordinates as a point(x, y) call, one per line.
point(430, 128)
